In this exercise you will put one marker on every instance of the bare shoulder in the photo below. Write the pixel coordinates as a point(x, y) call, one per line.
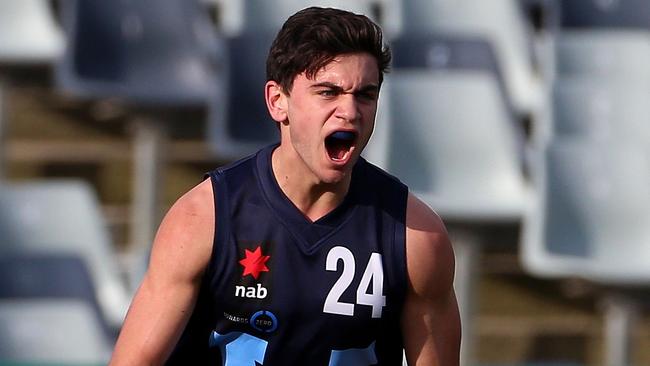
point(185, 236)
point(166, 296)
point(430, 257)
point(198, 201)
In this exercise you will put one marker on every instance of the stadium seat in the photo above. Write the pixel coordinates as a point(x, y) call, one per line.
point(49, 276)
point(601, 111)
point(29, 33)
point(451, 136)
point(427, 51)
point(592, 167)
point(502, 22)
point(240, 124)
point(605, 14)
point(604, 54)
point(64, 217)
point(604, 39)
point(461, 158)
point(154, 53)
point(591, 219)
point(51, 332)
point(152, 56)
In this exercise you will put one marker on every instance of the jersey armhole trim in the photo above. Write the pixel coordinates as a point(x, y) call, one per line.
point(221, 225)
point(399, 246)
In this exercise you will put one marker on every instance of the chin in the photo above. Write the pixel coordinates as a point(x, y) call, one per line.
point(334, 177)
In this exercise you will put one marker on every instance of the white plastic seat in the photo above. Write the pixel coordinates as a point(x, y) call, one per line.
point(502, 22)
point(64, 217)
point(451, 139)
point(592, 217)
point(28, 32)
point(51, 332)
point(605, 54)
point(601, 111)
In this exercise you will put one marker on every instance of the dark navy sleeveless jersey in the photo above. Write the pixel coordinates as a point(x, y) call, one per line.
point(281, 290)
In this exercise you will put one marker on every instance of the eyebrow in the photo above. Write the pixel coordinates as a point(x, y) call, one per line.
point(363, 89)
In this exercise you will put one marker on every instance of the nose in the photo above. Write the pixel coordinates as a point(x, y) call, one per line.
point(348, 108)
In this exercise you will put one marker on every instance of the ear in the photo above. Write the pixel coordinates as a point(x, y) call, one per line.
point(276, 101)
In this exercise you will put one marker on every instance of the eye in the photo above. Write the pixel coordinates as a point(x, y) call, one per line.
point(369, 96)
point(328, 93)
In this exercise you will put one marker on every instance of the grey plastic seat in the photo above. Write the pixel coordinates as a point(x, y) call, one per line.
point(154, 53)
point(452, 142)
point(604, 39)
point(241, 124)
point(51, 332)
point(592, 216)
point(434, 51)
point(49, 276)
point(28, 33)
point(64, 217)
point(605, 14)
point(451, 136)
point(501, 22)
point(604, 54)
point(585, 108)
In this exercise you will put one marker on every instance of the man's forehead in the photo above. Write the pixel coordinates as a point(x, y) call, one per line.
point(361, 68)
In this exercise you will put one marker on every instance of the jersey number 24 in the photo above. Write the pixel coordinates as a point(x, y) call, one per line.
point(374, 273)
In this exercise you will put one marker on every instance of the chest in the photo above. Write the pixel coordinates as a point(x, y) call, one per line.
point(341, 280)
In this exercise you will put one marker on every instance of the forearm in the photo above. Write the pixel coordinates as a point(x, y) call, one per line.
point(432, 332)
point(153, 325)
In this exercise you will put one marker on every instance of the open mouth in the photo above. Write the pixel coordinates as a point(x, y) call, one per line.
point(339, 145)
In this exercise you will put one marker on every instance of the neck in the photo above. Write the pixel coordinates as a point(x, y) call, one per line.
point(311, 196)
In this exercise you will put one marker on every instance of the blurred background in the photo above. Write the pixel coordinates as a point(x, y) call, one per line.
point(524, 123)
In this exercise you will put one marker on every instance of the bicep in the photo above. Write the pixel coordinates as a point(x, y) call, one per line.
point(166, 296)
point(430, 321)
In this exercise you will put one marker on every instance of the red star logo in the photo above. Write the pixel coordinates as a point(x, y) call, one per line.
point(254, 263)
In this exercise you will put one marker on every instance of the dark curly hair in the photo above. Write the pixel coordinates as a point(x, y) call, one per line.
point(313, 37)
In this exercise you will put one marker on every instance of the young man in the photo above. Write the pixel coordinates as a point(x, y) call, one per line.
point(303, 254)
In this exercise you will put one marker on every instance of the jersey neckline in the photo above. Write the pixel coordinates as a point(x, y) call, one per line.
point(309, 233)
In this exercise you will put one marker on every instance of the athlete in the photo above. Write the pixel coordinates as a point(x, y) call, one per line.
point(303, 253)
